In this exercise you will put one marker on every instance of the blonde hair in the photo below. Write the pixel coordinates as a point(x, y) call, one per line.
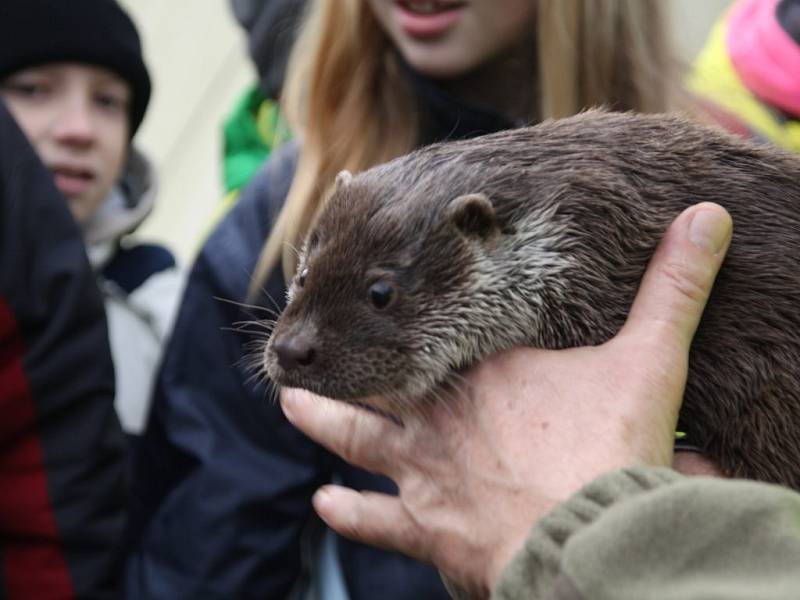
point(351, 107)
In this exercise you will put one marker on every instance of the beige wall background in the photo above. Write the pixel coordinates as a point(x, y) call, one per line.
point(198, 61)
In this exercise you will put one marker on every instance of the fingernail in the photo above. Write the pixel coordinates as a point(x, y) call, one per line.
point(321, 498)
point(321, 501)
point(289, 404)
point(710, 230)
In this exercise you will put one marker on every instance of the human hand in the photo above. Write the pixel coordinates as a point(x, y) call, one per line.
point(537, 425)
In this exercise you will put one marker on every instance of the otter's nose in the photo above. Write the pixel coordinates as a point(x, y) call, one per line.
point(295, 351)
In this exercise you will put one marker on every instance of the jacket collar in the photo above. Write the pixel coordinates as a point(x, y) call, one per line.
point(447, 118)
point(123, 210)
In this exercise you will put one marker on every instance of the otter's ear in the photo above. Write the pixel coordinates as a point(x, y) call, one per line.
point(343, 179)
point(473, 215)
point(312, 241)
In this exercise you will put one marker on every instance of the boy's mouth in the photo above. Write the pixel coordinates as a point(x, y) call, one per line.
point(72, 180)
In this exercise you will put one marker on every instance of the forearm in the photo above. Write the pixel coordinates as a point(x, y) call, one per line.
point(652, 533)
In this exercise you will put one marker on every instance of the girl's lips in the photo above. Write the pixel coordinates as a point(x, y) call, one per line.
point(427, 23)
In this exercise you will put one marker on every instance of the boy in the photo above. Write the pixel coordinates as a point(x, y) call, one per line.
point(73, 76)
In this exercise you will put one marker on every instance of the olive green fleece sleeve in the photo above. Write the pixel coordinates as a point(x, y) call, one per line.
point(652, 533)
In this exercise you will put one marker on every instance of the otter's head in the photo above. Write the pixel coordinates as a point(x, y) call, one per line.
point(384, 298)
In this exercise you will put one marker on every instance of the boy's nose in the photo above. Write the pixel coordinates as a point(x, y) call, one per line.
point(75, 124)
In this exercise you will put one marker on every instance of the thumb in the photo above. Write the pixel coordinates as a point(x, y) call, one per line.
point(679, 278)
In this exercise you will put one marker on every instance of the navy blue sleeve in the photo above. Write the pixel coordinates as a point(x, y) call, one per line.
point(222, 481)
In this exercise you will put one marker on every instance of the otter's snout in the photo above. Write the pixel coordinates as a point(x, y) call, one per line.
point(295, 351)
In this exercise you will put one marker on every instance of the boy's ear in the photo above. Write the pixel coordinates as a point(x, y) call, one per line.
point(473, 215)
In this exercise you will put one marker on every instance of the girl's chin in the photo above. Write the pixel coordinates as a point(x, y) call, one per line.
point(436, 63)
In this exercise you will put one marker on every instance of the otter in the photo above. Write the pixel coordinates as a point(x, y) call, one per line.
point(539, 236)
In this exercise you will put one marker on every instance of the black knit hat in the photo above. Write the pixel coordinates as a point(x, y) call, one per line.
point(97, 32)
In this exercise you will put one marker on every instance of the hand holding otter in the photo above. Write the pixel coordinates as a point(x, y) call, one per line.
point(536, 427)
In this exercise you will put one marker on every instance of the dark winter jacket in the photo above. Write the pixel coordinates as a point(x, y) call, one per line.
point(62, 487)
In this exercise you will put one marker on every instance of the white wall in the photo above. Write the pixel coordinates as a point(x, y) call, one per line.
point(691, 22)
point(198, 61)
point(197, 57)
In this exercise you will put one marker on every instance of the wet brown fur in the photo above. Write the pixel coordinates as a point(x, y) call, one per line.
point(577, 208)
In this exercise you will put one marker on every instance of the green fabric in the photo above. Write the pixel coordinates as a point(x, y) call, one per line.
point(254, 128)
point(652, 533)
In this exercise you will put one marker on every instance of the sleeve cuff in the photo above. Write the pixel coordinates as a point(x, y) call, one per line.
point(536, 568)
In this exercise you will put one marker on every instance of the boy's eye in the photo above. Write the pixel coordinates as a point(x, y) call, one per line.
point(111, 102)
point(27, 89)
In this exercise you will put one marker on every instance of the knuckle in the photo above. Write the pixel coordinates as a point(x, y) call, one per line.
point(365, 441)
point(351, 446)
point(353, 526)
point(690, 284)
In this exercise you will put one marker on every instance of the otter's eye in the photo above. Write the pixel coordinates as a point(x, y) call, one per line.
point(301, 278)
point(382, 294)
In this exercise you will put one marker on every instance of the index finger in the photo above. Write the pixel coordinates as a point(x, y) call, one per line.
point(679, 278)
point(357, 435)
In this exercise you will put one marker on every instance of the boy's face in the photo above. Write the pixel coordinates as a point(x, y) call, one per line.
point(76, 116)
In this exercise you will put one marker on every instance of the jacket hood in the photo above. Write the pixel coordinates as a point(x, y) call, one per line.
point(127, 205)
point(271, 28)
